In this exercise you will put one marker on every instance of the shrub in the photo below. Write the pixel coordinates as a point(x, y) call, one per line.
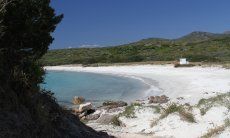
point(115, 121)
point(184, 114)
point(213, 131)
point(171, 109)
point(219, 100)
point(129, 112)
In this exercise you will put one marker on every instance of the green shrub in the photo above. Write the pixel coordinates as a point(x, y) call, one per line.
point(115, 121)
point(172, 108)
point(219, 100)
point(184, 114)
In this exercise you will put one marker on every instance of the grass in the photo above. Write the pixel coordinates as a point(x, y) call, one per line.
point(217, 130)
point(183, 112)
point(172, 108)
point(220, 100)
point(213, 131)
point(130, 110)
point(115, 121)
point(128, 113)
point(157, 108)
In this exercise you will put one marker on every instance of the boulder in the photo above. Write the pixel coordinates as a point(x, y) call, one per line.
point(158, 99)
point(78, 100)
point(114, 104)
point(75, 111)
point(105, 118)
point(86, 113)
point(92, 117)
point(85, 107)
point(82, 114)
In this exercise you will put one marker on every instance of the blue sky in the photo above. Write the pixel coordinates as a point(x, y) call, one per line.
point(114, 22)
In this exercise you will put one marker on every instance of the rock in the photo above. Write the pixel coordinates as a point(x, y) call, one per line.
point(158, 99)
point(180, 98)
point(114, 104)
point(85, 107)
point(82, 115)
point(78, 100)
point(75, 111)
point(86, 113)
point(105, 119)
point(92, 117)
point(115, 110)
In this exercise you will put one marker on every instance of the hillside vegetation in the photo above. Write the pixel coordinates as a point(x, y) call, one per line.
point(196, 46)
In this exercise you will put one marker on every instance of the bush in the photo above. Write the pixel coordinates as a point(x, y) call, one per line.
point(219, 100)
point(184, 114)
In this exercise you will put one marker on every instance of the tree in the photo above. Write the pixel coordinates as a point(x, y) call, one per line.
point(25, 35)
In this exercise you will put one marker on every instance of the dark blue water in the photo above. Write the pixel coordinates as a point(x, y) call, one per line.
point(95, 88)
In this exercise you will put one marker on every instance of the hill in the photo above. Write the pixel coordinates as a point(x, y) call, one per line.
point(196, 46)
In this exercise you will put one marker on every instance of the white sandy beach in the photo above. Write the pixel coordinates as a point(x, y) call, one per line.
point(190, 83)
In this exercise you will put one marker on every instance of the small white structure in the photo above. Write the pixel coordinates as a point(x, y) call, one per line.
point(183, 61)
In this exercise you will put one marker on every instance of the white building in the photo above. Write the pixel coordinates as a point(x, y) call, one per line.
point(183, 61)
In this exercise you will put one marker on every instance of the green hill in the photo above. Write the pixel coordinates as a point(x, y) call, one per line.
point(196, 46)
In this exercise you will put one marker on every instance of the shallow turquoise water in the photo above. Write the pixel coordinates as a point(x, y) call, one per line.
point(95, 88)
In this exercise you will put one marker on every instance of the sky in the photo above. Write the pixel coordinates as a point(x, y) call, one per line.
point(115, 22)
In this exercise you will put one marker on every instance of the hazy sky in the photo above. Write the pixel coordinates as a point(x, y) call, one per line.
point(113, 22)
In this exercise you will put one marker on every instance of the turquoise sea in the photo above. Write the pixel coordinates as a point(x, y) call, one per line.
point(95, 88)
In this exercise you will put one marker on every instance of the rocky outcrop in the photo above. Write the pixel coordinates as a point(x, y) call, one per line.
point(85, 107)
point(92, 117)
point(113, 104)
point(158, 99)
point(105, 118)
point(84, 111)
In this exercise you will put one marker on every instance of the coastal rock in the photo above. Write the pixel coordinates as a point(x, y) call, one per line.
point(180, 98)
point(85, 107)
point(78, 100)
point(115, 110)
point(158, 99)
point(75, 111)
point(86, 113)
point(82, 115)
point(140, 102)
point(114, 104)
point(105, 118)
point(92, 117)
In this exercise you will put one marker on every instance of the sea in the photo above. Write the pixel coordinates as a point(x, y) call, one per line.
point(95, 88)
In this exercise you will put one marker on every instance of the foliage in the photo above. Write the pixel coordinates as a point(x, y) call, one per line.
point(183, 112)
point(214, 131)
point(25, 34)
point(221, 100)
point(115, 120)
point(129, 112)
point(212, 48)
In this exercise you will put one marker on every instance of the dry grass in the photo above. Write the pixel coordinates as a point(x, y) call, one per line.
point(184, 113)
point(214, 131)
point(217, 130)
point(115, 121)
point(220, 100)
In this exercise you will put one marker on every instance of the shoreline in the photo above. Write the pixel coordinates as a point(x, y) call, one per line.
point(152, 86)
point(185, 88)
point(191, 83)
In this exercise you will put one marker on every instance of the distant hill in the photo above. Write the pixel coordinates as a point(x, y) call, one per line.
point(197, 37)
point(196, 46)
point(193, 37)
